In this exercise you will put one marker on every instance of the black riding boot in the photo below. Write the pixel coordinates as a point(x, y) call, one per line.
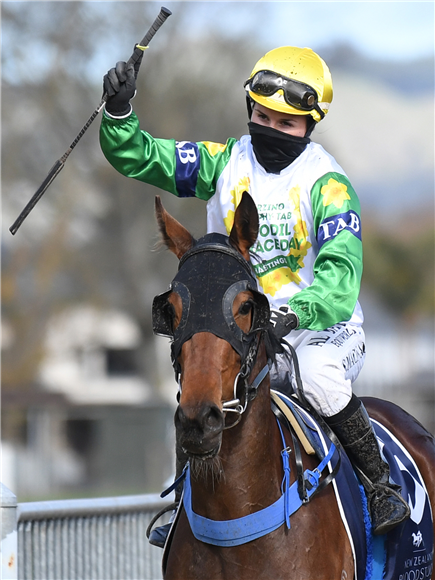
point(386, 506)
point(158, 535)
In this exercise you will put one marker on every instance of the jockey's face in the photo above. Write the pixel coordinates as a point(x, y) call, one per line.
point(292, 124)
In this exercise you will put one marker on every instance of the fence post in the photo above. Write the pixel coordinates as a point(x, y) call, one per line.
point(8, 517)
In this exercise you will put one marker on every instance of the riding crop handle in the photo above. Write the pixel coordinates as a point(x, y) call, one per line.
point(138, 51)
point(59, 165)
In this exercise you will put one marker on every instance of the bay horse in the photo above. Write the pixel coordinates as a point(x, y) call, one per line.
point(221, 347)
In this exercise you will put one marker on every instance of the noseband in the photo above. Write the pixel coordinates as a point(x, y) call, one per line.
point(210, 276)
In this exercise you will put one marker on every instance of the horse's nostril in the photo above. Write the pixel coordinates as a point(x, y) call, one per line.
point(199, 429)
point(215, 418)
point(205, 419)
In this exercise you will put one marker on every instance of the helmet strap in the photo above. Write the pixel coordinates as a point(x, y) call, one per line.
point(311, 123)
point(250, 103)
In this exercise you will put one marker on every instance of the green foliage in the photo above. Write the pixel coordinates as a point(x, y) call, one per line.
point(399, 269)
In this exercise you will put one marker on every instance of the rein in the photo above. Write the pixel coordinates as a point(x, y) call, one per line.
point(235, 406)
point(326, 428)
point(250, 390)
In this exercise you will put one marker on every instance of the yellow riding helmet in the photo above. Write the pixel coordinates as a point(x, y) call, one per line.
point(299, 64)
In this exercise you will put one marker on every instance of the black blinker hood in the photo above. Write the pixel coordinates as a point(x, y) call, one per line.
point(210, 276)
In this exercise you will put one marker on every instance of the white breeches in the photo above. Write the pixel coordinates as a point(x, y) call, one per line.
point(329, 362)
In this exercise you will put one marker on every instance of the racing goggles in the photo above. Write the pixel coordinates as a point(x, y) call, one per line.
point(300, 96)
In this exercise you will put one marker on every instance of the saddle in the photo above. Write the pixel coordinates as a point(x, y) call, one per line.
point(405, 552)
point(292, 415)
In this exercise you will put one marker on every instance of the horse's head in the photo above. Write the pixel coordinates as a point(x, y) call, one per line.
point(214, 316)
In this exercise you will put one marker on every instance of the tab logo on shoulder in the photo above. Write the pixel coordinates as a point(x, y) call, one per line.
point(332, 226)
point(187, 151)
point(187, 167)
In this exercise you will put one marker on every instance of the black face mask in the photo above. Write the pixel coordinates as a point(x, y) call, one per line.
point(274, 149)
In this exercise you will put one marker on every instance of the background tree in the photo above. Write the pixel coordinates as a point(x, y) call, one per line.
point(91, 237)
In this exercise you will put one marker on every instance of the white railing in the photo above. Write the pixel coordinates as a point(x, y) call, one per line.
point(86, 539)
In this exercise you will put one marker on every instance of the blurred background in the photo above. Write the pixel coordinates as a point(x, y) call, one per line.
point(88, 392)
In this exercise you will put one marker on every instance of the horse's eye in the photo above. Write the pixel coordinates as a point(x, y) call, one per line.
point(246, 308)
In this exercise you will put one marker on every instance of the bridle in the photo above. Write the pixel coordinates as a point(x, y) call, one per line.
point(210, 276)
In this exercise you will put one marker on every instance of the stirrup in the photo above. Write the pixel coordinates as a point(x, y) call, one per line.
point(157, 537)
point(386, 506)
point(387, 509)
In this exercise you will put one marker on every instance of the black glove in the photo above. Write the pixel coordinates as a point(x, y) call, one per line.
point(283, 321)
point(120, 85)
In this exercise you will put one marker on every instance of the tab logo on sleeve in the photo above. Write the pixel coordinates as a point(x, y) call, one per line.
point(186, 168)
point(332, 226)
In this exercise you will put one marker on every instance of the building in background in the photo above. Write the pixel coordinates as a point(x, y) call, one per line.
point(91, 425)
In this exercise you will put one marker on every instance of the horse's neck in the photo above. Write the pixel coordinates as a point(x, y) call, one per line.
point(251, 466)
point(254, 449)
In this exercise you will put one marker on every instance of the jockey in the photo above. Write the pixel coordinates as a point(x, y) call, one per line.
point(308, 256)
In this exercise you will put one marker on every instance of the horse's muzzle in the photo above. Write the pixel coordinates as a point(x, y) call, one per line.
point(199, 429)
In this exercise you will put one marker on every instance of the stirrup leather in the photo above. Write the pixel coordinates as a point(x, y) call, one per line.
point(169, 508)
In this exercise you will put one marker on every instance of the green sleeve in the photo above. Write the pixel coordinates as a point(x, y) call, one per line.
point(185, 169)
point(332, 296)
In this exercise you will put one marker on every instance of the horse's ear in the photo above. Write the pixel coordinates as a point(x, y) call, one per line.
point(174, 235)
point(245, 229)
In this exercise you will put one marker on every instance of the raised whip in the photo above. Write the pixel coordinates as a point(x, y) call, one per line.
point(135, 59)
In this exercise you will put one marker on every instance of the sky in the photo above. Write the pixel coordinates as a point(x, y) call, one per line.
point(392, 29)
point(382, 30)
